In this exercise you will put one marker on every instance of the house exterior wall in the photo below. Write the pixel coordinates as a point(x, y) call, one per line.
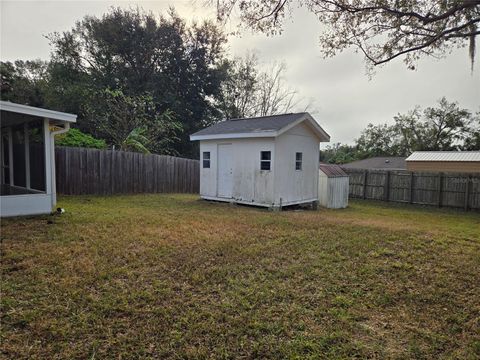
point(281, 185)
point(293, 186)
point(28, 204)
point(444, 166)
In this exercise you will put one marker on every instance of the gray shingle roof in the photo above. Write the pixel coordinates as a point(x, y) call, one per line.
point(251, 125)
point(378, 163)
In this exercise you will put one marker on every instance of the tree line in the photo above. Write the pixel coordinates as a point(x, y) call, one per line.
point(145, 83)
point(444, 127)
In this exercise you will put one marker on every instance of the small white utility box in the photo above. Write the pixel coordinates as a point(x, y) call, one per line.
point(332, 187)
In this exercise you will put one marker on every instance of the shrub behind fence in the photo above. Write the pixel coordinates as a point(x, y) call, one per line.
point(103, 172)
point(437, 189)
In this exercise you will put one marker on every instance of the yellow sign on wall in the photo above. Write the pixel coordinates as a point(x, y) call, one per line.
point(53, 128)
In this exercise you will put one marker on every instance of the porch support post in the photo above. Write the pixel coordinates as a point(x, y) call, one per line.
point(2, 161)
point(27, 155)
point(52, 168)
point(10, 155)
point(48, 163)
point(52, 134)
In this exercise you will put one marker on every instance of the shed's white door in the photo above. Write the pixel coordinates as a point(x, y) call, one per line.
point(225, 170)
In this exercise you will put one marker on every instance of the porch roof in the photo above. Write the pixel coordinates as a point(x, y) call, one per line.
point(36, 111)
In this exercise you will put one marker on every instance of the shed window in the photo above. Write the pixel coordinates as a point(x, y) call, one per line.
point(206, 159)
point(298, 161)
point(265, 160)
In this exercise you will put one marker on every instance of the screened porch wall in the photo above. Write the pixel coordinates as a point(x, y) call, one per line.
point(23, 167)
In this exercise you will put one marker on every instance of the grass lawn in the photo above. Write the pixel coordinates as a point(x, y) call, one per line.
point(170, 276)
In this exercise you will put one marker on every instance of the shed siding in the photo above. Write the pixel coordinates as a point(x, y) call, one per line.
point(282, 185)
point(292, 185)
point(250, 184)
point(208, 177)
point(323, 190)
point(338, 192)
point(333, 191)
point(444, 166)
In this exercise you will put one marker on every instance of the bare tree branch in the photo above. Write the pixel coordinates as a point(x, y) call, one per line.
point(381, 30)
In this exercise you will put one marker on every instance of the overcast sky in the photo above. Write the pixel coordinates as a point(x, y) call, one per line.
point(345, 100)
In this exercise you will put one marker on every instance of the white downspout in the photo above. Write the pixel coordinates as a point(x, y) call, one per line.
point(52, 161)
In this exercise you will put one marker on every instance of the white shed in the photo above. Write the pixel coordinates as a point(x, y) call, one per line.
point(332, 187)
point(267, 161)
point(28, 158)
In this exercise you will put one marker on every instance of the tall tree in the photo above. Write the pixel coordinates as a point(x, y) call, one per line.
point(380, 29)
point(24, 81)
point(274, 95)
point(239, 90)
point(181, 67)
point(255, 90)
point(442, 128)
point(338, 153)
point(377, 140)
point(446, 125)
point(472, 139)
point(132, 122)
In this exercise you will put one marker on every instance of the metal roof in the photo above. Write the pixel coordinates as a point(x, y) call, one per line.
point(36, 111)
point(332, 170)
point(378, 163)
point(264, 126)
point(444, 156)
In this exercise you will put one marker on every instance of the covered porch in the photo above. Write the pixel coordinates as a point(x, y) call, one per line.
point(27, 172)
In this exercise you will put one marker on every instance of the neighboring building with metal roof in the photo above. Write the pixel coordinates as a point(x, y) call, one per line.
point(333, 183)
point(265, 161)
point(444, 161)
point(378, 163)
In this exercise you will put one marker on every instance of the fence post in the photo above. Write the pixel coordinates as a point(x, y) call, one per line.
point(440, 189)
point(467, 192)
point(365, 176)
point(386, 187)
point(411, 187)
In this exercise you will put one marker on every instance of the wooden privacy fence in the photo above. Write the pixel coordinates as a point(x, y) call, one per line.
point(437, 189)
point(103, 172)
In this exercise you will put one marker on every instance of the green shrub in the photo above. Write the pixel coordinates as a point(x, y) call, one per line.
point(76, 138)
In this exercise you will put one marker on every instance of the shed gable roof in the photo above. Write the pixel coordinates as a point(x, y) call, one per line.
point(264, 126)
